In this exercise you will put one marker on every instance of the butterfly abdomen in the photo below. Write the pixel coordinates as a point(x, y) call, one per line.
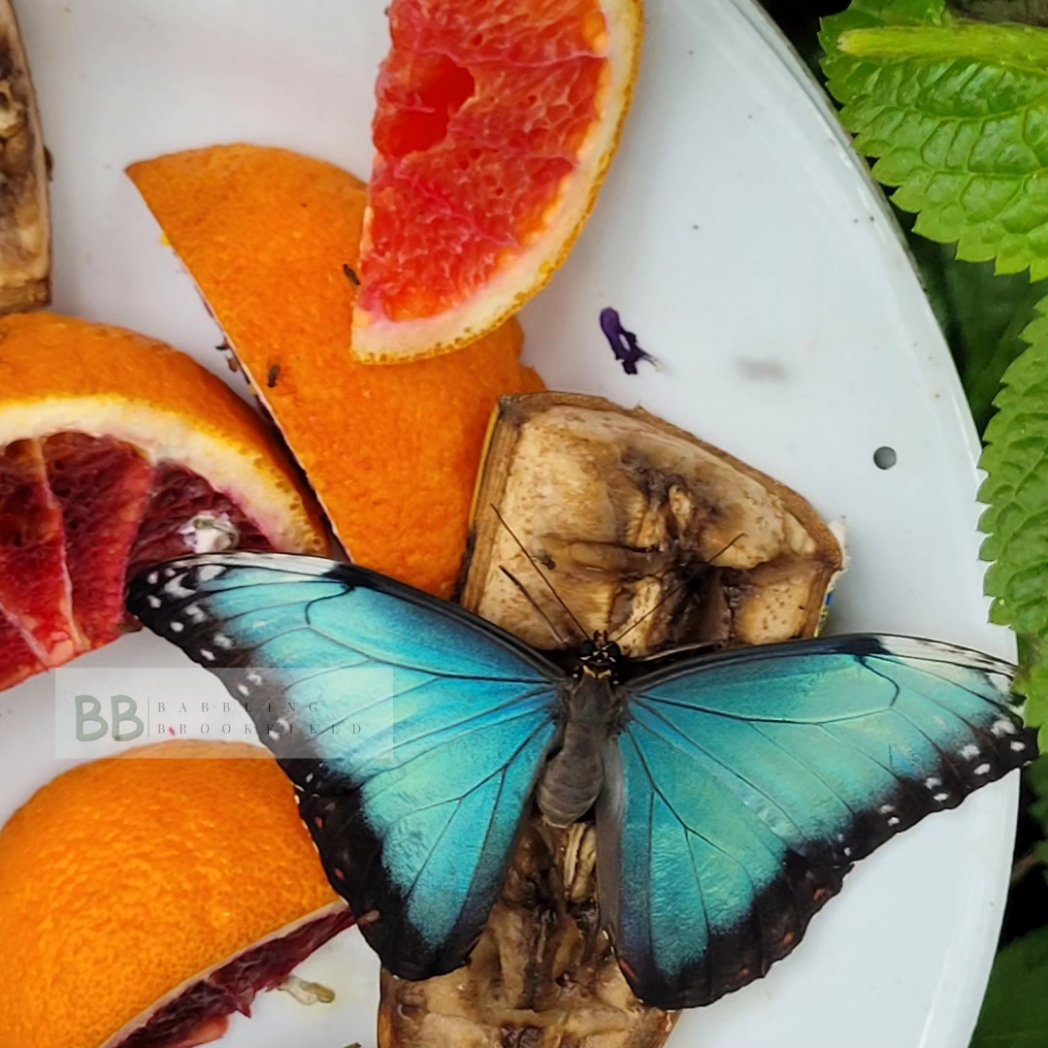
point(574, 775)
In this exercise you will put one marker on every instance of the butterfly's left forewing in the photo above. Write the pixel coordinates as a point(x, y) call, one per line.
point(743, 786)
point(413, 731)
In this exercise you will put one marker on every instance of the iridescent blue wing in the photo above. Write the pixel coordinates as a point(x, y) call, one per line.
point(744, 785)
point(413, 731)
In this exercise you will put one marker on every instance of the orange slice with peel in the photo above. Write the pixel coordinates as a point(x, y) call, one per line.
point(495, 126)
point(148, 896)
point(392, 453)
point(117, 452)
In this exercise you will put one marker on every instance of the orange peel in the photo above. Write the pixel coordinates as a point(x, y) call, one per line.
point(392, 453)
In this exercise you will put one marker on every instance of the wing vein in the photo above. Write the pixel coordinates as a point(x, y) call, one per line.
point(717, 760)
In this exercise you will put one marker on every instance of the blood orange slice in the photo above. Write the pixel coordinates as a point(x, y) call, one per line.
point(148, 897)
point(495, 126)
point(116, 452)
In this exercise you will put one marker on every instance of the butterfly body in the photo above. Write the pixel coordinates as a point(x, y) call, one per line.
point(573, 776)
point(732, 792)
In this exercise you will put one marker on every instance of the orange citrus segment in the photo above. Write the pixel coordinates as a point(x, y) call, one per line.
point(85, 473)
point(269, 236)
point(126, 880)
point(34, 584)
point(58, 374)
point(495, 126)
point(17, 658)
point(116, 452)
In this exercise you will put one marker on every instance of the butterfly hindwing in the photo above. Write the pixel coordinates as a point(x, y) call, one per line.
point(744, 785)
point(413, 731)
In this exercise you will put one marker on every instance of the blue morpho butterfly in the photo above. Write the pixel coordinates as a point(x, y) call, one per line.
point(732, 791)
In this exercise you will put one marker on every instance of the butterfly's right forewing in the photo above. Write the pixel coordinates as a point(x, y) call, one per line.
point(413, 731)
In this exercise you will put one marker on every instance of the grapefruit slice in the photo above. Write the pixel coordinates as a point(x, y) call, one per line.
point(116, 452)
point(149, 896)
point(495, 127)
point(270, 238)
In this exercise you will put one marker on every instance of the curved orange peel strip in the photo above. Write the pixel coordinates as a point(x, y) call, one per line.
point(392, 452)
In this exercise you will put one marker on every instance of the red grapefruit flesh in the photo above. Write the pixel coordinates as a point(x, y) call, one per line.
point(496, 122)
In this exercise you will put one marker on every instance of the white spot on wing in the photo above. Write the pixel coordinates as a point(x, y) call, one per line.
point(153, 578)
point(931, 782)
point(1003, 727)
point(175, 589)
point(176, 626)
point(254, 677)
point(210, 572)
point(153, 601)
point(982, 769)
point(970, 752)
point(1018, 746)
point(243, 689)
point(894, 820)
point(940, 797)
point(222, 641)
point(207, 654)
point(195, 613)
point(887, 809)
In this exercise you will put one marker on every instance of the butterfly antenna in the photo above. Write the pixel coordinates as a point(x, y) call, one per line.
point(534, 604)
point(683, 584)
point(541, 574)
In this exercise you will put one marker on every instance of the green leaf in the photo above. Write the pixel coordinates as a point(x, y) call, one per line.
point(1016, 520)
point(955, 112)
point(1015, 1010)
point(982, 315)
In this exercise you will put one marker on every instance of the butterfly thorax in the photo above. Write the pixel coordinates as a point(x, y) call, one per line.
point(574, 775)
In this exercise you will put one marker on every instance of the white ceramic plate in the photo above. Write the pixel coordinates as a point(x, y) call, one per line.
point(742, 240)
